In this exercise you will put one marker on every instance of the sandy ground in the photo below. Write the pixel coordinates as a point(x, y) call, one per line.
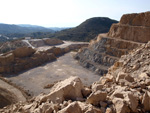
point(65, 66)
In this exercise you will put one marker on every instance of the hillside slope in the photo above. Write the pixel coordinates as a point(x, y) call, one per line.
point(8, 29)
point(86, 30)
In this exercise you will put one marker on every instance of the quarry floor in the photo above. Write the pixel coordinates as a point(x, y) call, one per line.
point(65, 66)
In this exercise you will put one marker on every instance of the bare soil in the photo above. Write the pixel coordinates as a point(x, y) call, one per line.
point(65, 66)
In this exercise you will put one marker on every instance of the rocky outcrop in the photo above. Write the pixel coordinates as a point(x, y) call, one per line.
point(133, 27)
point(12, 45)
point(103, 53)
point(132, 31)
point(25, 58)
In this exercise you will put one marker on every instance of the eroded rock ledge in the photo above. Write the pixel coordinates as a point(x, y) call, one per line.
point(132, 31)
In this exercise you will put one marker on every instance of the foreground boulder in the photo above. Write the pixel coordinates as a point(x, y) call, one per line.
point(69, 89)
point(72, 108)
point(146, 101)
point(96, 97)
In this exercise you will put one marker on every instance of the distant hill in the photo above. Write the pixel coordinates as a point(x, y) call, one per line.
point(86, 30)
point(36, 26)
point(10, 29)
point(59, 28)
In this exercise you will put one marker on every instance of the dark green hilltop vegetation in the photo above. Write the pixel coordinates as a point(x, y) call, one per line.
point(86, 30)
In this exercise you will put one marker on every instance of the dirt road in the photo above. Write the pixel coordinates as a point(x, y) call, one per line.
point(35, 79)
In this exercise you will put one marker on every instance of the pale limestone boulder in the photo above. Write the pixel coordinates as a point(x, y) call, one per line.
point(146, 101)
point(88, 108)
point(96, 97)
point(131, 100)
point(120, 106)
point(71, 108)
point(118, 92)
point(96, 87)
point(143, 76)
point(86, 92)
point(121, 75)
point(64, 90)
point(124, 76)
point(46, 108)
point(128, 97)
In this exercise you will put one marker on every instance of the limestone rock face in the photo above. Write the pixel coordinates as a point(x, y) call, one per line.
point(104, 52)
point(141, 19)
point(133, 27)
point(129, 33)
point(132, 33)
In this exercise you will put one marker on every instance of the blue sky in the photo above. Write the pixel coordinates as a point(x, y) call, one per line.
point(66, 13)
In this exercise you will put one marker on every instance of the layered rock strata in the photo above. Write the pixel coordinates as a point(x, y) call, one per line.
point(132, 31)
point(133, 27)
